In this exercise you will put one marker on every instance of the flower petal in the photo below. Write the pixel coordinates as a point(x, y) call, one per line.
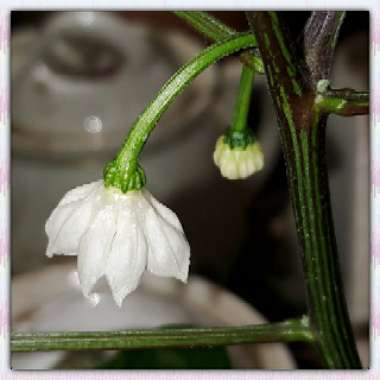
point(163, 211)
point(79, 193)
point(128, 257)
point(67, 223)
point(243, 167)
point(168, 249)
point(228, 169)
point(94, 248)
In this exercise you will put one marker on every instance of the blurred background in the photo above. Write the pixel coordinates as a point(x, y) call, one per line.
point(79, 80)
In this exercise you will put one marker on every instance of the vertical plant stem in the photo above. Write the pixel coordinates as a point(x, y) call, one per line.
point(302, 131)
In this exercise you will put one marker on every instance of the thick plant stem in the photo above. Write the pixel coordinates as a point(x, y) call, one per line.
point(302, 132)
point(287, 331)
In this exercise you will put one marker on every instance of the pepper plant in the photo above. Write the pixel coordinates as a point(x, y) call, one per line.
point(298, 80)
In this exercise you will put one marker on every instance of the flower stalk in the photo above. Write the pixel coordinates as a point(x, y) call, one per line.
point(121, 170)
point(237, 153)
point(216, 30)
point(243, 100)
point(206, 24)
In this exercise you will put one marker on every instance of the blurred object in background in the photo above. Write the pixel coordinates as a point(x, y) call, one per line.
point(51, 300)
point(85, 82)
point(349, 150)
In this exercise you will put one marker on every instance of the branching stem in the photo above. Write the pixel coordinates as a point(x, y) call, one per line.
point(344, 102)
point(288, 331)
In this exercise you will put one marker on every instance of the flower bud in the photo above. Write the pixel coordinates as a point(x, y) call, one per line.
point(238, 155)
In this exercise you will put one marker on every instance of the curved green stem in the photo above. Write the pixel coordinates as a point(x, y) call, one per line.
point(216, 30)
point(243, 100)
point(287, 331)
point(127, 159)
point(206, 24)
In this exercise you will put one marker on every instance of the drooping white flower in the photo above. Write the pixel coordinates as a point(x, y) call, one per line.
point(117, 235)
point(238, 162)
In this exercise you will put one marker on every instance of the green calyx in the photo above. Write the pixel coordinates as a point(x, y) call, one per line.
point(118, 177)
point(238, 139)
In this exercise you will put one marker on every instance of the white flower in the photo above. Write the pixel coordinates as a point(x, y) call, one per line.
point(117, 235)
point(238, 163)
